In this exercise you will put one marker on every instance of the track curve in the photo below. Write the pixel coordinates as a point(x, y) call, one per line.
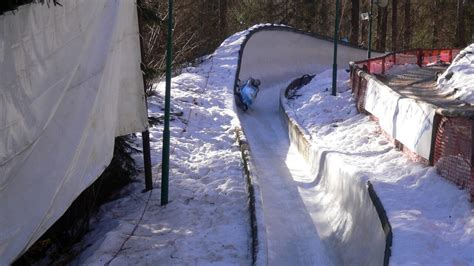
point(276, 55)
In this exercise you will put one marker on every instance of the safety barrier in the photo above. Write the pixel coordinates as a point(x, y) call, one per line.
point(370, 228)
point(421, 57)
point(452, 132)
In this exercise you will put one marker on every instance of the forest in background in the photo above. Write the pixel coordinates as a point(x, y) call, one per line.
point(201, 25)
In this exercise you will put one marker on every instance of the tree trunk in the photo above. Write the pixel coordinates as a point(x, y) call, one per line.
point(460, 36)
point(223, 18)
point(354, 39)
point(323, 20)
point(394, 25)
point(435, 24)
point(309, 12)
point(381, 28)
point(378, 28)
point(270, 8)
point(407, 25)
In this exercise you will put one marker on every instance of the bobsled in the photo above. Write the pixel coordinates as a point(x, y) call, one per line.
point(247, 93)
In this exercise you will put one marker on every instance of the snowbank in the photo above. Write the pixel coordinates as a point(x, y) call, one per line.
point(460, 75)
point(432, 220)
point(349, 220)
point(207, 218)
point(398, 69)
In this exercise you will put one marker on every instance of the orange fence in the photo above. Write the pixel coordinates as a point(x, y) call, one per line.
point(453, 150)
point(452, 145)
point(421, 57)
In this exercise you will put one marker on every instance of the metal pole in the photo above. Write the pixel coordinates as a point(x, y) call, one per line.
point(166, 132)
point(146, 133)
point(334, 65)
point(370, 30)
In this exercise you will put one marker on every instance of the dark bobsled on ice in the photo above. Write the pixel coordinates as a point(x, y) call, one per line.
point(296, 84)
point(247, 93)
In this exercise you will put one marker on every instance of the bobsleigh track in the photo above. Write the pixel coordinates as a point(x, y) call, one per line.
point(296, 231)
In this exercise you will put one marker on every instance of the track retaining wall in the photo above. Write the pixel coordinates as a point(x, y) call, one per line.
point(369, 231)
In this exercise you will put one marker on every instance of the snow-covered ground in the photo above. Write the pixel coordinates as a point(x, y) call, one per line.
point(399, 69)
point(432, 220)
point(207, 218)
point(460, 75)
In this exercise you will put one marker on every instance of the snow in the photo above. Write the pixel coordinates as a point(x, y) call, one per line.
point(291, 234)
point(432, 220)
point(318, 108)
point(207, 219)
point(459, 76)
point(400, 69)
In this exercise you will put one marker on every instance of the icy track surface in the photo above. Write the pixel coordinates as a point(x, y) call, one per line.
point(292, 236)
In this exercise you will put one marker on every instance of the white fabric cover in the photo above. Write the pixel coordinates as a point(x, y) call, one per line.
point(70, 81)
point(405, 119)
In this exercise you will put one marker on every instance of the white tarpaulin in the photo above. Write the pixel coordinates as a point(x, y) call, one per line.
point(405, 119)
point(70, 81)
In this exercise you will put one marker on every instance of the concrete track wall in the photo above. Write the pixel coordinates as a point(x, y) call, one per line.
point(360, 236)
point(277, 54)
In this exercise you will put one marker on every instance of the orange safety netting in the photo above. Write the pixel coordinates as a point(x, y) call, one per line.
point(421, 57)
point(452, 148)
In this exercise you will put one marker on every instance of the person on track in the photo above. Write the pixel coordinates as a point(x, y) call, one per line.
point(247, 93)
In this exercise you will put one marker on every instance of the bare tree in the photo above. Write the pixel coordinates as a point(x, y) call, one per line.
point(381, 28)
point(223, 18)
point(394, 25)
point(309, 12)
point(323, 17)
point(435, 24)
point(460, 31)
point(269, 7)
point(354, 39)
point(407, 25)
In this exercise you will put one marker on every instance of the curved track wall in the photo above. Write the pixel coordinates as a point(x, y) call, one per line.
point(276, 54)
point(368, 232)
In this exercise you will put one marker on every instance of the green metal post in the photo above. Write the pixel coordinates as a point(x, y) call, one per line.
point(165, 170)
point(370, 30)
point(336, 37)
